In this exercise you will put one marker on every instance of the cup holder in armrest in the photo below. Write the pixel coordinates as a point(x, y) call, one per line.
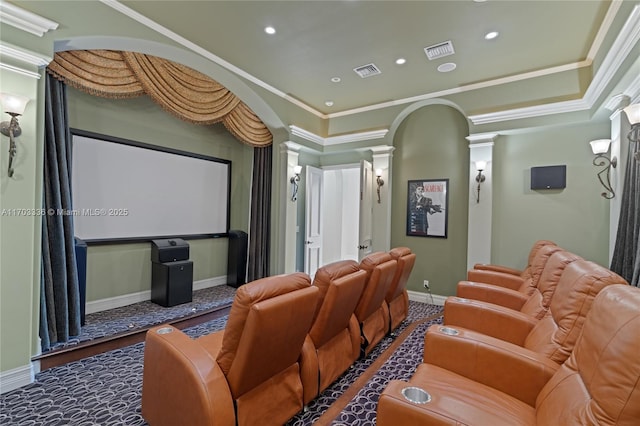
point(165, 330)
point(448, 330)
point(416, 395)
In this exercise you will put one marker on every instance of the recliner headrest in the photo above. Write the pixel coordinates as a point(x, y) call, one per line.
point(399, 252)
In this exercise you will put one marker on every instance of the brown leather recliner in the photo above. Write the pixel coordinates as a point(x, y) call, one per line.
point(554, 335)
point(245, 375)
point(333, 344)
point(531, 298)
point(397, 297)
point(372, 311)
point(599, 384)
point(525, 282)
point(513, 271)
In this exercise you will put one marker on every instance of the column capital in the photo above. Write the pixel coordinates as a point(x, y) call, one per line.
point(481, 139)
point(616, 104)
point(289, 146)
point(382, 149)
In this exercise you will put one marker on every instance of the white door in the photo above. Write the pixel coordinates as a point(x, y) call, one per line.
point(366, 209)
point(313, 221)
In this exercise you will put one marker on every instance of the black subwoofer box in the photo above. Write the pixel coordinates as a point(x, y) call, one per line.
point(172, 282)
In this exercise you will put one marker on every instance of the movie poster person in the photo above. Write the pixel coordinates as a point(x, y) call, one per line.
point(427, 208)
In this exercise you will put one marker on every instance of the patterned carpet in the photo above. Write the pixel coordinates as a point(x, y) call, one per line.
point(106, 389)
point(145, 314)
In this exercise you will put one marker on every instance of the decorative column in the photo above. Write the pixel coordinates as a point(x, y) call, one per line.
point(480, 198)
point(288, 220)
point(382, 160)
point(619, 149)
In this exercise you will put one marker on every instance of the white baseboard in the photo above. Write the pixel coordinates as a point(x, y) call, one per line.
point(209, 282)
point(16, 378)
point(129, 299)
point(420, 296)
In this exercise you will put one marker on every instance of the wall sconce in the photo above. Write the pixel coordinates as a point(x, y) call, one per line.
point(13, 105)
point(480, 166)
point(379, 181)
point(633, 115)
point(600, 148)
point(294, 182)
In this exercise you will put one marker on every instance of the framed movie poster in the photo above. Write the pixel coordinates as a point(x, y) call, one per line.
point(427, 203)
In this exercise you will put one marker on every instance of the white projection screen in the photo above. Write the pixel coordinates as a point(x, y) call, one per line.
point(129, 191)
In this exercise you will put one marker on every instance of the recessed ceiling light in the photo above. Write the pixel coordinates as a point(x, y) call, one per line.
point(491, 35)
point(446, 67)
point(336, 79)
point(328, 103)
point(270, 30)
point(401, 61)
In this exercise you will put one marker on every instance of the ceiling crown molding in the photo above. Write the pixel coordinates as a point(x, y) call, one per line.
point(617, 54)
point(24, 20)
point(356, 137)
point(620, 50)
point(336, 140)
point(22, 55)
point(306, 135)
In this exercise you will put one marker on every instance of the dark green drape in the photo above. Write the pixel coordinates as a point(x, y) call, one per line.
point(260, 222)
point(626, 254)
point(59, 290)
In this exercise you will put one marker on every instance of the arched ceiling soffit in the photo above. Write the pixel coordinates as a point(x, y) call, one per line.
point(416, 106)
point(179, 90)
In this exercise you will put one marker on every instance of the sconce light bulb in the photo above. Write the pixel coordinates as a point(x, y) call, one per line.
point(633, 114)
point(600, 146)
point(13, 104)
point(378, 172)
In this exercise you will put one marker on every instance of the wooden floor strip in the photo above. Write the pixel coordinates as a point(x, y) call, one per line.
point(336, 408)
point(63, 356)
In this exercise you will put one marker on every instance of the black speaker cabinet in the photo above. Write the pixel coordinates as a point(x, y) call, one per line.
point(172, 282)
point(237, 259)
point(81, 269)
point(170, 250)
point(549, 177)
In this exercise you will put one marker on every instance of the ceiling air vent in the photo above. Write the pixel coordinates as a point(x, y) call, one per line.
point(367, 70)
point(439, 50)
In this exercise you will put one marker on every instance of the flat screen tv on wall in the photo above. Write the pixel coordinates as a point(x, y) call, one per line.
point(549, 177)
point(130, 191)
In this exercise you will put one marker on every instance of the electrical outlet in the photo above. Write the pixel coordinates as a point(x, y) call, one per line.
point(426, 284)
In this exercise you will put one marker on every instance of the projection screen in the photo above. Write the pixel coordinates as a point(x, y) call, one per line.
point(126, 191)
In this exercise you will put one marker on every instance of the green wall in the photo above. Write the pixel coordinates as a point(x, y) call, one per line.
point(430, 144)
point(576, 217)
point(20, 228)
point(116, 270)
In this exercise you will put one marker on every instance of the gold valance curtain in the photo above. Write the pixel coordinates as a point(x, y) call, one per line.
point(180, 90)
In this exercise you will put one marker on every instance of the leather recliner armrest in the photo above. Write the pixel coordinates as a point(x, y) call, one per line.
point(502, 296)
point(509, 368)
point(488, 318)
point(497, 268)
point(394, 410)
point(496, 278)
point(182, 382)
